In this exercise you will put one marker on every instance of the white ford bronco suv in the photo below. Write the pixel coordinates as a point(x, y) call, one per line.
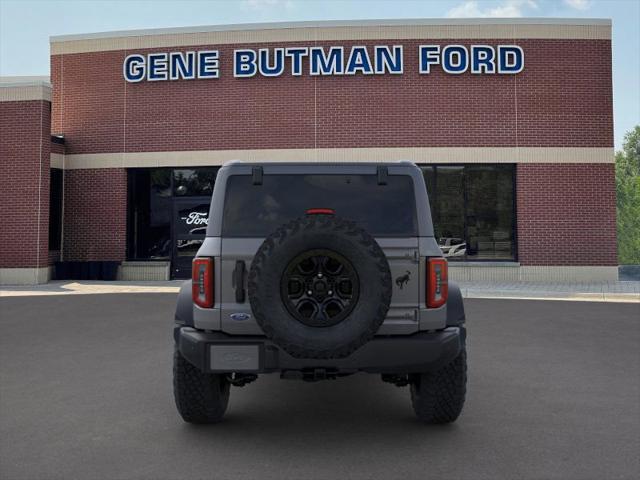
point(317, 271)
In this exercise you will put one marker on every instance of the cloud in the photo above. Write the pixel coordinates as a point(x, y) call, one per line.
point(578, 4)
point(266, 4)
point(508, 8)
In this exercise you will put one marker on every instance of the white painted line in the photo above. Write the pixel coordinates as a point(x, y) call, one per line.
point(86, 289)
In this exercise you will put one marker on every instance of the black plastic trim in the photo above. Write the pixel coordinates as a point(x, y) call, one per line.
point(420, 352)
point(455, 306)
point(383, 173)
point(184, 308)
point(256, 173)
point(238, 281)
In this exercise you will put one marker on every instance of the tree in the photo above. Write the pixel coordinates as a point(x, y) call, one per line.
point(628, 198)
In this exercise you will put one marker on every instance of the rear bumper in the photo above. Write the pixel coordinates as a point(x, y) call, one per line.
point(219, 352)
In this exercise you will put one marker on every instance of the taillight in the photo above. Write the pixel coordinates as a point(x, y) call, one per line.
point(437, 282)
point(320, 211)
point(202, 282)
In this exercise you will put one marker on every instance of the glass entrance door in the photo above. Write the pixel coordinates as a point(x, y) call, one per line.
point(189, 228)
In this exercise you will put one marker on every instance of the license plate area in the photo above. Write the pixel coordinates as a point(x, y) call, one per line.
point(234, 358)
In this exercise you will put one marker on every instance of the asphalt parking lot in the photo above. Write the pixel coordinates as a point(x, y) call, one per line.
point(85, 392)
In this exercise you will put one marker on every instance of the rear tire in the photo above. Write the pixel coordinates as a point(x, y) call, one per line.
point(200, 397)
point(438, 397)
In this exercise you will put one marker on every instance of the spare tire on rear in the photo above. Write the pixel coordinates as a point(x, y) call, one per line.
point(320, 287)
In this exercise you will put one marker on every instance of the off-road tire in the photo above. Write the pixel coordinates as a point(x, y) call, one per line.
point(438, 397)
point(320, 232)
point(200, 397)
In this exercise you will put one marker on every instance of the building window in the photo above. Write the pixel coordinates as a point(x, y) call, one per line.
point(152, 195)
point(473, 210)
point(55, 209)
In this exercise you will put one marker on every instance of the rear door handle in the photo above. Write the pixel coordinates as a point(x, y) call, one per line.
point(238, 280)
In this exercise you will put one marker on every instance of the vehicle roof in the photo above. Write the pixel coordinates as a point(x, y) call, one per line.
point(307, 164)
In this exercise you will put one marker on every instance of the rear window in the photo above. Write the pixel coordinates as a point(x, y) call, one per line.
point(257, 210)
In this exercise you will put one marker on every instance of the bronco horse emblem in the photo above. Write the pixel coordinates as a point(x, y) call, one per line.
point(403, 280)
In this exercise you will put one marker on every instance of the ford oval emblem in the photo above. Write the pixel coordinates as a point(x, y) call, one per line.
point(240, 317)
point(235, 357)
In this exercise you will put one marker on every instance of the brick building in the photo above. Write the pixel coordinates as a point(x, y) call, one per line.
point(510, 120)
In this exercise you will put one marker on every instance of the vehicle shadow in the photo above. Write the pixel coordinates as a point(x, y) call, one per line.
point(358, 413)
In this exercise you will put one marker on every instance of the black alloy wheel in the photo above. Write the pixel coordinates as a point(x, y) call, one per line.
point(320, 288)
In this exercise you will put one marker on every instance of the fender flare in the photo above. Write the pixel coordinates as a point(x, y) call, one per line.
point(184, 308)
point(455, 306)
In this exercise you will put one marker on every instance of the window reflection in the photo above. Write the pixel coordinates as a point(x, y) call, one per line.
point(489, 191)
point(193, 182)
point(188, 248)
point(429, 174)
point(449, 202)
point(472, 207)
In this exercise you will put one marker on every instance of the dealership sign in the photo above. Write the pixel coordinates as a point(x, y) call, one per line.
point(325, 61)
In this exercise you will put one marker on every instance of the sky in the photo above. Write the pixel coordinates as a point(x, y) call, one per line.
point(25, 26)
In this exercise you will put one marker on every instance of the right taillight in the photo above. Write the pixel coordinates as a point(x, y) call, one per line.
point(202, 282)
point(437, 282)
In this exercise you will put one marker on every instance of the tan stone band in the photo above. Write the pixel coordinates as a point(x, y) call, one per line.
point(335, 155)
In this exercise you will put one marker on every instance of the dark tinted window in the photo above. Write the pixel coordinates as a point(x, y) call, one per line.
point(149, 231)
point(490, 214)
point(55, 209)
point(257, 210)
point(473, 210)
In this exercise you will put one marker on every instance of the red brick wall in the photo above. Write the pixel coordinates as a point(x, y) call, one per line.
point(57, 148)
point(24, 196)
point(55, 78)
point(566, 214)
point(562, 98)
point(95, 206)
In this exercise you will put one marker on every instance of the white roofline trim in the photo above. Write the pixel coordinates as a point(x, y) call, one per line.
point(20, 81)
point(25, 93)
point(334, 24)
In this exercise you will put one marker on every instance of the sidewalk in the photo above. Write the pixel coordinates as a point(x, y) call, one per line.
point(593, 292)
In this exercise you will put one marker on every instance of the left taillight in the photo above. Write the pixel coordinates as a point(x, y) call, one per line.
point(437, 282)
point(202, 282)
